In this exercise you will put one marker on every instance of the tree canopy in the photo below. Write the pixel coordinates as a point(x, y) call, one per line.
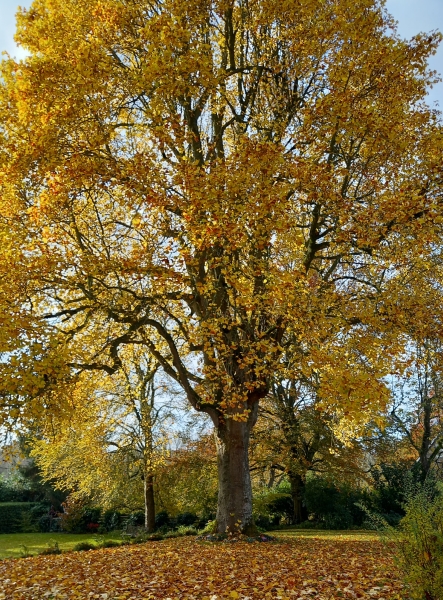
point(215, 181)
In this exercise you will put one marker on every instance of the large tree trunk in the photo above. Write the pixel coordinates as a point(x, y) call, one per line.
point(234, 510)
point(149, 503)
point(297, 487)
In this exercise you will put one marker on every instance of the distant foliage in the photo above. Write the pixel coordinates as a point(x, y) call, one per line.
point(186, 518)
point(333, 506)
point(111, 520)
point(76, 516)
point(388, 496)
point(11, 516)
point(15, 488)
point(271, 505)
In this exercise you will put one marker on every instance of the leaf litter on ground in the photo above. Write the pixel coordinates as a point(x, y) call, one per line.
point(186, 569)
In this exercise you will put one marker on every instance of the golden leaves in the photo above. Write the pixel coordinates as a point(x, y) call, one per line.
point(245, 175)
point(345, 567)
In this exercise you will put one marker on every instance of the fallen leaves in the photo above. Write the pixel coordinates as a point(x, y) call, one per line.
point(179, 569)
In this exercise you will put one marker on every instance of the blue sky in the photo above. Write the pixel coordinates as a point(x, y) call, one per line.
point(413, 16)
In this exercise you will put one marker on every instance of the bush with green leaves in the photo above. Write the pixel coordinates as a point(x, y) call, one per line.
point(186, 530)
point(388, 494)
point(136, 518)
point(419, 541)
point(52, 548)
point(13, 489)
point(271, 505)
point(334, 506)
point(210, 527)
point(110, 520)
point(186, 518)
point(162, 518)
point(171, 534)
point(11, 516)
point(155, 537)
point(111, 544)
point(26, 523)
point(82, 546)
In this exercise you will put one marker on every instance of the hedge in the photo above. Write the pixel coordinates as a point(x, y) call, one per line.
point(11, 515)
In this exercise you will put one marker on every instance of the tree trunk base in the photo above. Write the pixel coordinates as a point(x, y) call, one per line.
point(234, 510)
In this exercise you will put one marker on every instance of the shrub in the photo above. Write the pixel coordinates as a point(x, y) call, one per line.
point(44, 524)
point(14, 488)
point(91, 514)
point(210, 527)
point(388, 496)
point(110, 520)
point(11, 516)
point(162, 518)
point(24, 551)
point(172, 534)
point(334, 506)
point(186, 518)
point(273, 504)
point(38, 510)
point(155, 537)
point(9, 491)
point(81, 546)
point(183, 530)
point(111, 544)
point(27, 524)
point(141, 538)
point(136, 518)
point(52, 548)
point(419, 542)
point(76, 517)
point(72, 515)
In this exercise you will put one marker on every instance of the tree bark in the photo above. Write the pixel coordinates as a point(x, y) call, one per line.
point(234, 510)
point(297, 486)
point(149, 503)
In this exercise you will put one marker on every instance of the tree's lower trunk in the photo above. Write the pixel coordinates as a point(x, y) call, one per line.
point(297, 488)
point(234, 510)
point(149, 503)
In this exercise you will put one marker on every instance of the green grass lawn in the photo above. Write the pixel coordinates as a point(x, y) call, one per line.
point(11, 544)
point(359, 535)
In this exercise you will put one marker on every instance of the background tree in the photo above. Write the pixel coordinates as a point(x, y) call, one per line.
point(295, 438)
point(187, 480)
point(417, 410)
point(110, 438)
point(217, 173)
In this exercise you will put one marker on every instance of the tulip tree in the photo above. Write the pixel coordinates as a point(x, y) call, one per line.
point(227, 176)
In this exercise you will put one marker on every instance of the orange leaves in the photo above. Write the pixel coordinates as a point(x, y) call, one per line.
point(185, 569)
point(245, 172)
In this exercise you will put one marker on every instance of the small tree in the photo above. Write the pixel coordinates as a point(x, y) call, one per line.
point(108, 438)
